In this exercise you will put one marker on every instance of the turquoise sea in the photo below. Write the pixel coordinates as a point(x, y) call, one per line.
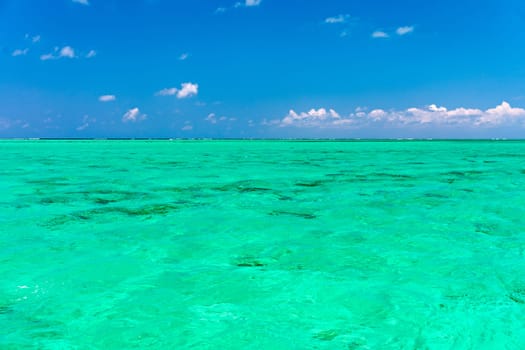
point(262, 245)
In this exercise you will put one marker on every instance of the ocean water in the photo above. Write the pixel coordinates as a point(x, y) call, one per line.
point(262, 245)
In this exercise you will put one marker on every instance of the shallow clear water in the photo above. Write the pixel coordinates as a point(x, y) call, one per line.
point(262, 245)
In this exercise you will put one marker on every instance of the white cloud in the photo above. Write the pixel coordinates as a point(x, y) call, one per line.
point(505, 109)
point(337, 19)
point(503, 114)
point(273, 122)
point(8, 124)
point(379, 34)
point(83, 2)
point(404, 30)
point(133, 115)
point(312, 117)
point(4, 123)
point(186, 90)
point(212, 118)
point(19, 52)
point(377, 114)
point(82, 127)
point(187, 128)
point(65, 52)
point(91, 53)
point(249, 3)
point(34, 39)
point(107, 98)
point(220, 10)
point(86, 121)
point(167, 92)
point(46, 57)
point(184, 56)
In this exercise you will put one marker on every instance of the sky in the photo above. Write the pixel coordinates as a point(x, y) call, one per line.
point(262, 68)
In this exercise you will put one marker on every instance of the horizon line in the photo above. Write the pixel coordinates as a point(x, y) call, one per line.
point(251, 139)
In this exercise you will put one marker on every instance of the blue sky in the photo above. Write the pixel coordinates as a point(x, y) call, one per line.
point(268, 68)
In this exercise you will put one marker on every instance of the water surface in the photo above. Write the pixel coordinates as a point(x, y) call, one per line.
point(262, 245)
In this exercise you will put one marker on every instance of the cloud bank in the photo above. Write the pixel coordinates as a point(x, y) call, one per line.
point(432, 115)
